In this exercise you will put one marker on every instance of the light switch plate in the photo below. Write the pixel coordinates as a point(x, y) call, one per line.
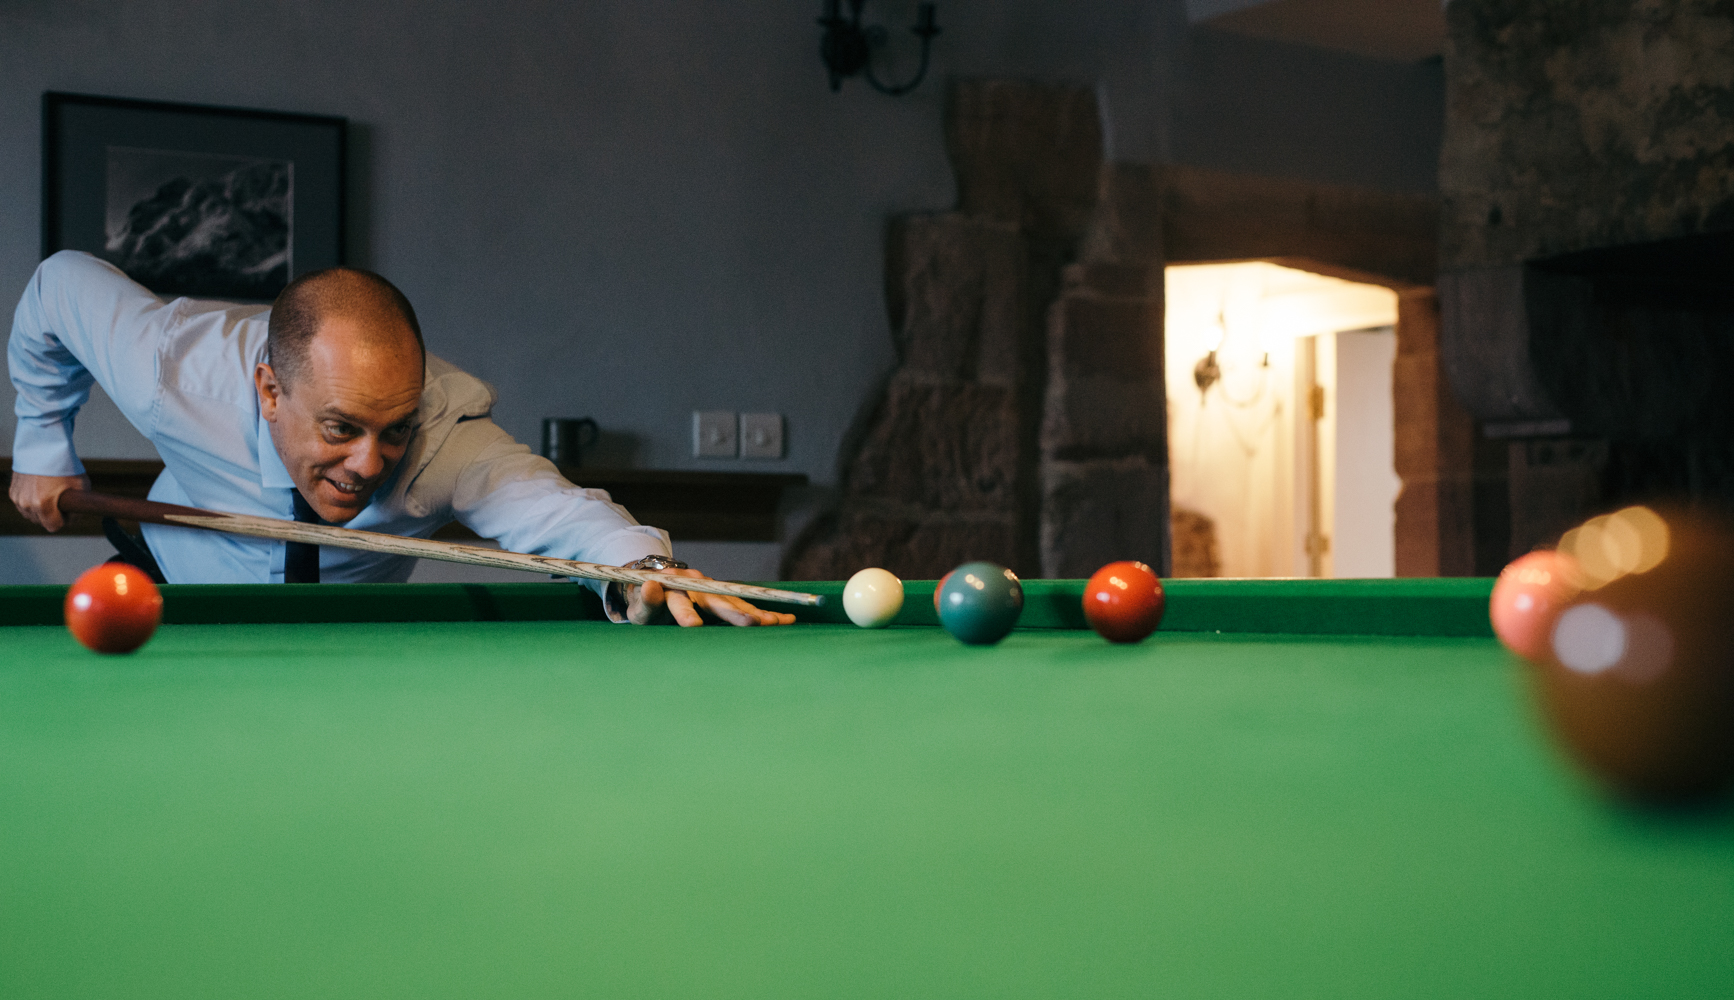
point(713, 434)
point(761, 435)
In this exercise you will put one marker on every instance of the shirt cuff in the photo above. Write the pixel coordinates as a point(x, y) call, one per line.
point(44, 448)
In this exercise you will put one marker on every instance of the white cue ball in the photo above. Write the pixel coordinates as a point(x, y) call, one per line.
point(872, 598)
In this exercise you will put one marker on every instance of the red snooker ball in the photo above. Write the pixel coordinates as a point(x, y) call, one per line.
point(113, 608)
point(936, 589)
point(1528, 598)
point(1123, 602)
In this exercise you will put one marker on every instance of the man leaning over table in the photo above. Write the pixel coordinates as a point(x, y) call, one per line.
point(325, 406)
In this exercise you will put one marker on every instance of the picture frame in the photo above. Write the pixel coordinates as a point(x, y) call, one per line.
point(195, 200)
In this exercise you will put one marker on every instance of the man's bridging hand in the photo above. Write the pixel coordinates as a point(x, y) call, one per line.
point(653, 603)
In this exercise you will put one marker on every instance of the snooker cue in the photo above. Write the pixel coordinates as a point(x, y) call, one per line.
point(86, 502)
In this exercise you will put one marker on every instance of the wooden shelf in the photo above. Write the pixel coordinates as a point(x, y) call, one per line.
point(691, 506)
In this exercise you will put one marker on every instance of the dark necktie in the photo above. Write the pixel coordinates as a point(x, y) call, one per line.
point(301, 560)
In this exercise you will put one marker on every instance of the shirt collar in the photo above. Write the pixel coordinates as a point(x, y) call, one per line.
point(273, 474)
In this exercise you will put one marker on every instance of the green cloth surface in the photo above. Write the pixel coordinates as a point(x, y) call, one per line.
point(550, 809)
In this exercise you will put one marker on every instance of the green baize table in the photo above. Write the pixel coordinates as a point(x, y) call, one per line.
point(1296, 789)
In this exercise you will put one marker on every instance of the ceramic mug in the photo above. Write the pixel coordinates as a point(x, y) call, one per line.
point(565, 438)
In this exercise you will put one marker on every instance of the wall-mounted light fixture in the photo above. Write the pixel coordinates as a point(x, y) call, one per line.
point(1206, 372)
point(847, 47)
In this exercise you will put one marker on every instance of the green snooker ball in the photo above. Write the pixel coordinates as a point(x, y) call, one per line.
point(980, 602)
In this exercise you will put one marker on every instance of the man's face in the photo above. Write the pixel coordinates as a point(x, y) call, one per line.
point(346, 421)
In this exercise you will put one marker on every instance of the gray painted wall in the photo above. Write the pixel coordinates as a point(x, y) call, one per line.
point(636, 208)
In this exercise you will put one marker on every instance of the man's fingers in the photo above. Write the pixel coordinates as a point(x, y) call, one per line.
point(738, 612)
point(644, 603)
point(650, 602)
point(762, 615)
point(38, 497)
point(48, 510)
point(683, 605)
point(731, 610)
point(43, 515)
point(680, 606)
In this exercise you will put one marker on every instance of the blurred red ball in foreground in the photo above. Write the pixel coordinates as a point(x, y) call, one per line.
point(1638, 677)
point(1528, 598)
point(1123, 602)
point(113, 608)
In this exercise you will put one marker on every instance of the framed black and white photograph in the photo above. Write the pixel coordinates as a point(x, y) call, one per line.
point(209, 202)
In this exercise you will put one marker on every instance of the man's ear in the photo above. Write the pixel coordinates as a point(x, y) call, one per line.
point(270, 391)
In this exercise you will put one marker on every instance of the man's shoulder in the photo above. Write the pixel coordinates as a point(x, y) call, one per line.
point(70, 279)
point(449, 397)
point(79, 265)
point(451, 394)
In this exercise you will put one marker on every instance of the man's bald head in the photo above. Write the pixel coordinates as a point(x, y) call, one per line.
point(372, 302)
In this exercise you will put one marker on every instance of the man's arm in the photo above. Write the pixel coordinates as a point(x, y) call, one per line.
point(80, 321)
point(506, 493)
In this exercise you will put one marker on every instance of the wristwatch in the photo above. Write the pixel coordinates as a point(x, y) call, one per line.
point(657, 563)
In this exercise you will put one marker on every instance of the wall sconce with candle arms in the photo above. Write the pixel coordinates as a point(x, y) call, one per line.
point(847, 47)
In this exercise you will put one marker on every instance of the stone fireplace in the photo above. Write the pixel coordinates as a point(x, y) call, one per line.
point(1026, 421)
point(1587, 254)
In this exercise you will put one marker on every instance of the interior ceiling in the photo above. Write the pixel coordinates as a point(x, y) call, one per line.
point(1398, 30)
point(1252, 304)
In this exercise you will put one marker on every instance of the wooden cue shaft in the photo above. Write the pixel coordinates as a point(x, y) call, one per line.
point(86, 502)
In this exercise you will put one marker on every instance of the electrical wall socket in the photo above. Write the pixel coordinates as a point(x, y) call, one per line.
point(761, 435)
point(714, 434)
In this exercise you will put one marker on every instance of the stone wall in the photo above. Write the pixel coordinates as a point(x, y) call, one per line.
point(948, 468)
point(1104, 440)
point(1026, 421)
point(1587, 248)
point(940, 476)
point(1435, 444)
point(1590, 124)
point(1352, 233)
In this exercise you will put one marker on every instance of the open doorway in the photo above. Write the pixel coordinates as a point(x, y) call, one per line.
point(1280, 422)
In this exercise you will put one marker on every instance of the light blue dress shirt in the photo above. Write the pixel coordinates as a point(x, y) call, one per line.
point(182, 373)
